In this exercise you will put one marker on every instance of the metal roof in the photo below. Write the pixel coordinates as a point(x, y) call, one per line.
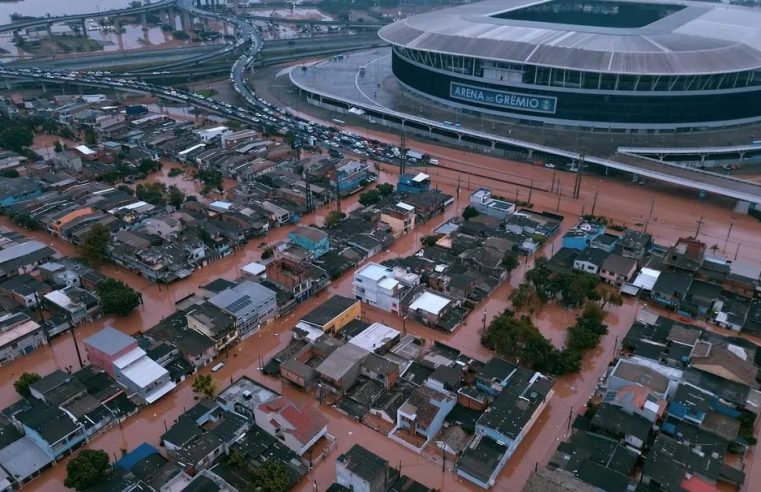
point(699, 39)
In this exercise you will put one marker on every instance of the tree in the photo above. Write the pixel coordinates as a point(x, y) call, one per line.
point(272, 476)
point(15, 137)
point(521, 297)
point(117, 297)
point(385, 189)
point(95, 244)
point(87, 469)
point(510, 261)
point(429, 240)
point(469, 212)
point(9, 173)
point(333, 218)
point(176, 197)
point(152, 193)
point(369, 198)
point(57, 146)
point(267, 253)
point(24, 381)
point(205, 385)
point(613, 298)
point(148, 166)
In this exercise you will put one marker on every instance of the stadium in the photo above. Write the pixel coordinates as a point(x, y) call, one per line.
point(628, 65)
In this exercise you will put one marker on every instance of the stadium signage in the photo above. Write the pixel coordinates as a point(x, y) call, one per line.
point(502, 99)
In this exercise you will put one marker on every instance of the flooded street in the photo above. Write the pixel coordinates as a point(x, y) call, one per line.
point(674, 215)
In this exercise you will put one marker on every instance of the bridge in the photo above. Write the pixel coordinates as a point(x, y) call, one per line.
point(44, 21)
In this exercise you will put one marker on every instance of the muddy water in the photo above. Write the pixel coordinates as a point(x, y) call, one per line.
point(571, 391)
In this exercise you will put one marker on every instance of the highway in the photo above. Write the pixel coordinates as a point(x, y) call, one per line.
point(262, 114)
point(43, 21)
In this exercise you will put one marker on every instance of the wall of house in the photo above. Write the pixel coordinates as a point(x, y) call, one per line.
point(55, 450)
point(354, 482)
point(343, 319)
point(103, 360)
point(22, 346)
point(373, 294)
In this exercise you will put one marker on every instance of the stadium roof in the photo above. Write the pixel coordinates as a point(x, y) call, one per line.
point(701, 38)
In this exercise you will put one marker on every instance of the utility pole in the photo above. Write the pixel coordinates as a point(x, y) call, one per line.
point(402, 153)
point(577, 184)
point(594, 204)
point(308, 192)
point(76, 344)
point(560, 194)
point(700, 224)
point(731, 224)
point(530, 191)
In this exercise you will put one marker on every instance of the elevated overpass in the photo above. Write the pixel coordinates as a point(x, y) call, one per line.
point(44, 21)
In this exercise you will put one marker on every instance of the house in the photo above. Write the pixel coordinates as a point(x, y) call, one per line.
point(24, 289)
point(361, 470)
point(52, 429)
point(298, 373)
point(482, 201)
point(129, 365)
point(76, 304)
point(333, 314)
point(209, 320)
point(494, 376)
point(637, 400)
point(687, 255)
point(299, 428)
point(380, 370)
point(400, 218)
point(378, 286)
point(377, 338)
point(311, 239)
point(300, 279)
point(250, 304)
point(19, 189)
point(423, 413)
point(430, 308)
point(349, 176)
point(244, 396)
point(606, 242)
point(23, 460)
point(163, 226)
point(618, 270)
point(580, 236)
point(634, 244)
point(340, 370)
point(671, 288)
point(19, 335)
point(629, 429)
point(416, 183)
point(726, 360)
point(23, 257)
point(590, 260)
point(502, 427)
point(669, 463)
point(628, 373)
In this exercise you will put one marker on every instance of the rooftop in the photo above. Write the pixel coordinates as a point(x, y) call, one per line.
point(23, 459)
point(305, 422)
point(430, 302)
point(516, 404)
point(110, 341)
point(328, 310)
point(364, 463)
point(375, 337)
point(246, 392)
point(341, 361)
point(695, 38)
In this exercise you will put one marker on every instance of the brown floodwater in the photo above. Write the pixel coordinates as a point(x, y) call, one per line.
point(674, 214)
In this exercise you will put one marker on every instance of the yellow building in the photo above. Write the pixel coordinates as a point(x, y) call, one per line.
point(400, 218)
point(333, 314)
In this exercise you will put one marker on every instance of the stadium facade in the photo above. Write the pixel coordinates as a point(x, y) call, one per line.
point(601, 64)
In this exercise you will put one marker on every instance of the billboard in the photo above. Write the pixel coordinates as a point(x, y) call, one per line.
point(503, 99)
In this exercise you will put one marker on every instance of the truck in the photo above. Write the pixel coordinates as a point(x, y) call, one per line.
point(415, 156)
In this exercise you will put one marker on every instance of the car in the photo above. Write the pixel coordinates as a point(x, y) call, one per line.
point(218, 367)
point(549, 165)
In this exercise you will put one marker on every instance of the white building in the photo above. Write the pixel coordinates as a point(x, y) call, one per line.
point(382, 286)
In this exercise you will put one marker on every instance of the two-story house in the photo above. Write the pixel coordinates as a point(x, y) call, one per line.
point(299, 428)
point(311, 239)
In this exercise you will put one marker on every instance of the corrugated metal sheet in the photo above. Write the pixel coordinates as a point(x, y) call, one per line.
point(701, 38)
